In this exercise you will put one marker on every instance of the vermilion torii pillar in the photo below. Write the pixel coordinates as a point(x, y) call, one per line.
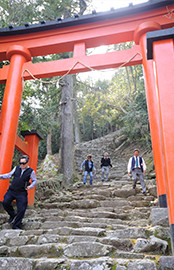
point(162, 52)
point(32, 138)
point(153, 109)
point(17, 55)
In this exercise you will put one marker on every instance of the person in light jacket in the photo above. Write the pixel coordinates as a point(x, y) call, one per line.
point(137, 167)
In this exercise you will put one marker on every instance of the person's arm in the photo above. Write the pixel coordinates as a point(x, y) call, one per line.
point(81, 168)
point(129, 166)
point(33, 180)
point(7, 175)
point(144, 166)
point(110, 163)
point(101, 163)
point(93, 167)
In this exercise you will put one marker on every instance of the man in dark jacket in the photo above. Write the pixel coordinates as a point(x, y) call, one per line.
point(89, 167)
point(18, 191)
point(105, 163)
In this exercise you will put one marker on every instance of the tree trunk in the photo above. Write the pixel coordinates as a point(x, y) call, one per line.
point(75, 115)
point(76, 125)
point(67, 129)
point(49, 149)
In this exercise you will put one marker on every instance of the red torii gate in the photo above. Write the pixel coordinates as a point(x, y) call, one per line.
point(20, 44)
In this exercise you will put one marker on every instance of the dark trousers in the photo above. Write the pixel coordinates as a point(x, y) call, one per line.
point(21, 203)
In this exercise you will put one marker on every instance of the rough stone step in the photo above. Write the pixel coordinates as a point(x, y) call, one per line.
point(107, 221)
point(50, 238)
point(51, 250)
point(88, 250)
point(129, 232)
point(16, 263)
point(81, 264)
point(55, 224)
point(97, 214)
point(129, 264)
point(79, 204)
point(29, 251)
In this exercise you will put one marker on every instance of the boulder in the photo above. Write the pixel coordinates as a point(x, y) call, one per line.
point(159, 216)
point(166, 263)
point(142, 265)
point(15, 264)
point(151, 245)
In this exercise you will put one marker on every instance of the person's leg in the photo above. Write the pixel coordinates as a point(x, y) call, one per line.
point(21, 202)
point(107, 173)
point(134, 177)
point(142, 182)
point(85, 177)
point(7, 204)
point(91, 177)
point(102, 176)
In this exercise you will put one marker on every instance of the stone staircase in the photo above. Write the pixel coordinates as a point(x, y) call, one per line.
point(106, 226)
point(110, 143)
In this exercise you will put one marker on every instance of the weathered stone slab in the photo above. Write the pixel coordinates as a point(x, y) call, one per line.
point(107, 221)
point(130, 232)
point(114, 203)
point(85, 204)
point(27, 225)
point(159, 216)
point(89, 231)
point(18, 241)
point(153, 191)
point(3, 251)
point(166, 263)
point(106, 193)
point(48, 238)
point(124, 193)
point(121, 244)
point(102, 215)
point(119, 267)
point(54, 224)
point(15, 264)
point(92, 264)
point(32, 232)
point(161, 232)
point(49, 264)
point(3, 240)
point(3, 218)
point(80, 238)
point(87, 249)
point(128, 255)
point(151, 245)
point(142, 265)
point(49, 250)
point(10, 233)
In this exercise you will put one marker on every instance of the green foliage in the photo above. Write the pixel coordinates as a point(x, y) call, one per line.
point(18, 12)
point(107, 106)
